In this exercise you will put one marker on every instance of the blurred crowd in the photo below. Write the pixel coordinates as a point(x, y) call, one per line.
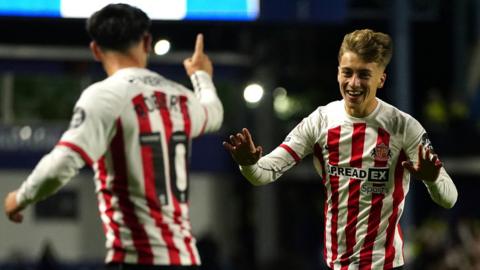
point(440, 245)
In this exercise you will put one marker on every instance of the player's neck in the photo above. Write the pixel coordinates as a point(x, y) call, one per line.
point(116, 61)
point(361, 111)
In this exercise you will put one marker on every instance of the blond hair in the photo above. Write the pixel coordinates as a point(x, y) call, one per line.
point(369, 45)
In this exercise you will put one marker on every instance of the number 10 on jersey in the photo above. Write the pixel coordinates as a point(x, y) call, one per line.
point(176, 165)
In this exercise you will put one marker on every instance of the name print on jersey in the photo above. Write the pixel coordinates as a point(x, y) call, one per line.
point(157, 102)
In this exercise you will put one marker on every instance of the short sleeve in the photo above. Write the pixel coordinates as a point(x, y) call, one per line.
point(91, 125)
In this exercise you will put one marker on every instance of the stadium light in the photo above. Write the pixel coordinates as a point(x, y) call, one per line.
point(253, 93)
point(25, 133)
point(162, 47)
point(281, 102)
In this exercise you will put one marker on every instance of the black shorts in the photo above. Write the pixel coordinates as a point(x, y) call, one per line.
point(126, 266)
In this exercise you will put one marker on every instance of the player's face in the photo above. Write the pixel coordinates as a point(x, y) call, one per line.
point(359, 81)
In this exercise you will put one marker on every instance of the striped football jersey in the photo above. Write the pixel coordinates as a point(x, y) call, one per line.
point(135, 130)
point(359, 162)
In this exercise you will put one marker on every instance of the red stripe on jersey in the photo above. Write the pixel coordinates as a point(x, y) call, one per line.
point(398, 196)
point(358, 139)
point(185, 114)
point(188, 244)
point(79, 150)
point(174, 252)
point(165, 114)
point(149, 177)
point(333, 141)
point(376, 209)
point(118, 250)
point(291, 152)
point(317, 151)
point(187, 124)
point(120, 189)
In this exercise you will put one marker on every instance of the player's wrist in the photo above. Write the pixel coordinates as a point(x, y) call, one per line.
point(202, 73)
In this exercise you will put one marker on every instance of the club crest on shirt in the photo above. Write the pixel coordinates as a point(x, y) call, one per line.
point(78, 117)
point(381, 152)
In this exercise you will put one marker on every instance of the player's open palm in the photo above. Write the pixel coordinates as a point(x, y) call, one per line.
point(199, 60)
point(243, 149)
point(427, 168)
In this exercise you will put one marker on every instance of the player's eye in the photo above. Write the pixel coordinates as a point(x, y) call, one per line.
point(364, 75)
point(347, 73)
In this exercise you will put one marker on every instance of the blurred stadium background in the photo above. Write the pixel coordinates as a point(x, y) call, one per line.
point(288, 49)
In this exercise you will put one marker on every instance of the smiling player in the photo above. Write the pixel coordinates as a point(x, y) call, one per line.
point(365, 151)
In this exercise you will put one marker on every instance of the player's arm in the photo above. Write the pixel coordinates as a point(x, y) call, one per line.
point(263, 170)
point(83, 143)
point(246, 154)
point(52, 172)
point(200, 69)
point(426, 166)
point(257, 170)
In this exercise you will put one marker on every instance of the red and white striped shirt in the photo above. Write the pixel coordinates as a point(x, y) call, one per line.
point(359, 161)
point(135, 130)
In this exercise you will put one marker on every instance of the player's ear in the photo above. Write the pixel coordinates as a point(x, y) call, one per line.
point(96, 51)
point(147, 43)
point(382, 80)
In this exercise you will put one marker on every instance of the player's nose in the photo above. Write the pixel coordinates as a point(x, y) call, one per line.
point(354, 82)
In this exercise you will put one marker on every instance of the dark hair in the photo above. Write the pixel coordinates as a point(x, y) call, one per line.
point(118, 26)
point(370, 46)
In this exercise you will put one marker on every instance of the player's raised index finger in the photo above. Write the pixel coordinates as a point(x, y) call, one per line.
point(198, 45)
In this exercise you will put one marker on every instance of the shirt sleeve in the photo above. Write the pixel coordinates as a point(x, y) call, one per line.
point(52, 172)
point(205, 108)
point(298, 144)
point(92, 123)
point(443, 190)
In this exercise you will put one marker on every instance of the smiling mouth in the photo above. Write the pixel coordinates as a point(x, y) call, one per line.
point(353, 93)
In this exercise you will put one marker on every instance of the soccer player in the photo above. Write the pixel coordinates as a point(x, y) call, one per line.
point(365, 151)
point(134, 129)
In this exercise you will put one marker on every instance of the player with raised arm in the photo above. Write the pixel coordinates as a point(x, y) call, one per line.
point(134, 129)
point(364, 151)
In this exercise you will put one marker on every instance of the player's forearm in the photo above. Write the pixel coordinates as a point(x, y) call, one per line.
point(257, 176)
point(207, 94)
point(443, 190)
point(52, 172)
point(268, 168)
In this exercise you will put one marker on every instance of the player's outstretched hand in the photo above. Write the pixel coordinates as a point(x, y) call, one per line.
point(199, 60)
point(12, 209)
point(427, 168)
point(243, 149)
